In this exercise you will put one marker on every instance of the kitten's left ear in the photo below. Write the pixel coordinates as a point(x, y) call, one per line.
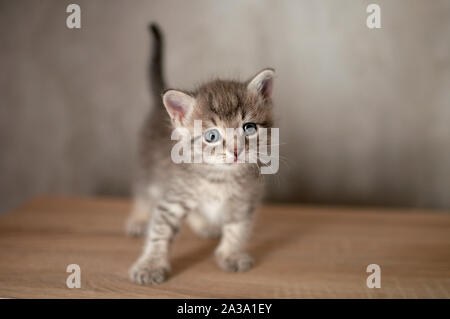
point(262, 83)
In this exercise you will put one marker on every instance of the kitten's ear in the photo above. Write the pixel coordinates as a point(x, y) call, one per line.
point(262, 83)
point(179, 105)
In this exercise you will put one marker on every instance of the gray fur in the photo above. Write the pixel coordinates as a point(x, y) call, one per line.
point(215, 200)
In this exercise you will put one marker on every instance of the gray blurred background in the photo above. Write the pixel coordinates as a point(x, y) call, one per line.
point(364, 115)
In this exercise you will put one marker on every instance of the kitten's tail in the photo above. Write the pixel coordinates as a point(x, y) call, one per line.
point(156, 63)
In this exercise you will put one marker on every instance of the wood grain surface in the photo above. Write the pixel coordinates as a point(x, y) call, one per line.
point(300, 252)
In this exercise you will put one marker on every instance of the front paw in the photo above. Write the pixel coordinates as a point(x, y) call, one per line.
point(238, 261)
point(148, 273)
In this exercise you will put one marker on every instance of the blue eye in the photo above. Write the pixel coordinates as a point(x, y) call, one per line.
point(249, 128)
point(212, 135)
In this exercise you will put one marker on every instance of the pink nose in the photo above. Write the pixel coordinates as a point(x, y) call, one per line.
point(237, 152)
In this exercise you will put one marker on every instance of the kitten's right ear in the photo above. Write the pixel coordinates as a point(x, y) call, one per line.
point(179, 105)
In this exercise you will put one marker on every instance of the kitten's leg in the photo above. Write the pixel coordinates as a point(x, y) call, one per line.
point(136, 224)
point(230, 254)
point(153, 265)
point(201, 226)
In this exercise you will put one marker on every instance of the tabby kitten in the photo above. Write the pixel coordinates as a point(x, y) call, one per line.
point(215, 199)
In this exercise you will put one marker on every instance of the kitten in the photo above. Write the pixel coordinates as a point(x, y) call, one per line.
point(215, 199)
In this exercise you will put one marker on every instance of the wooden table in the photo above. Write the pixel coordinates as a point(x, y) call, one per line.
point(300, 252)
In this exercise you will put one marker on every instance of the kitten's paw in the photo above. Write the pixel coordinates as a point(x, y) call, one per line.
point(135, 227)
point(239, 261)
point(148, 273)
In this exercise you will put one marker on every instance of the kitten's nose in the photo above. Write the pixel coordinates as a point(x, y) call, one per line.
point(237, 152)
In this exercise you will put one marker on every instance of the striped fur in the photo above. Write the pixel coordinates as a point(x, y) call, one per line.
point(215, 200)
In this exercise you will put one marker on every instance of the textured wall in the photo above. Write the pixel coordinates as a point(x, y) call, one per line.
point(364, 114)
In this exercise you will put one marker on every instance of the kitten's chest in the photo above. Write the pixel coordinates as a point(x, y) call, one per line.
point(213, 194)
point(213, 210)
point(213, 201)
point(214, 187)
point(226, 187)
